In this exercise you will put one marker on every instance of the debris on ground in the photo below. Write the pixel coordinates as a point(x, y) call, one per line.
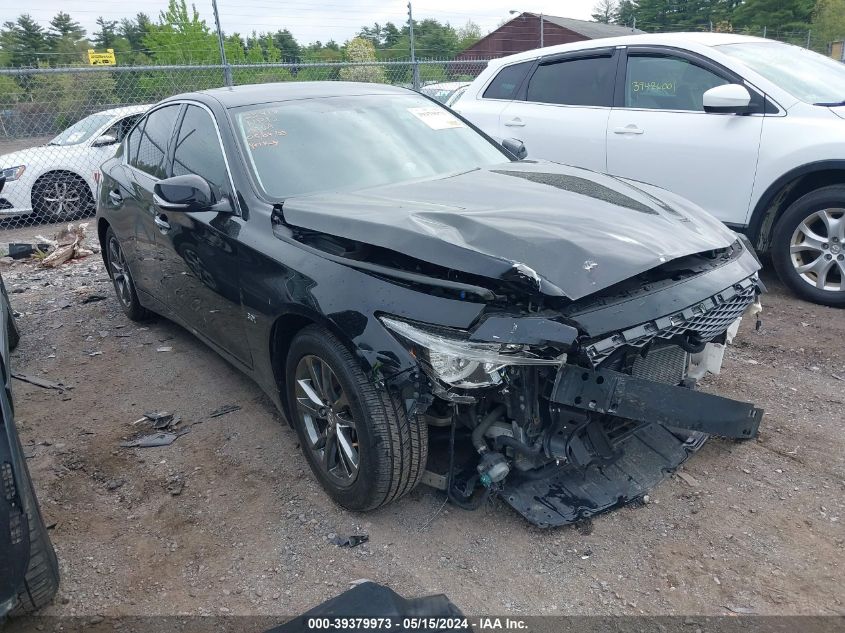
point(161, 419)
point(94, 298)
point(352, 540)
point(688, 479)
point(226, 408)
point(68, 244)
point(164, 348)
point(152, 440)
point(40, 382)
point(114, 484)
point(175, 484)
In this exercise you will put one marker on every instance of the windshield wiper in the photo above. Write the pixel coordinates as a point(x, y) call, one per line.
point(832, 104)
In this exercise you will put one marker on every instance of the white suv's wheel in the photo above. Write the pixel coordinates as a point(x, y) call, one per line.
point(808, 246)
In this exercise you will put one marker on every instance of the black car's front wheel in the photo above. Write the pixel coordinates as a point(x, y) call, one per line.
point(808, 246)
point(360, 442)
point(121, 277)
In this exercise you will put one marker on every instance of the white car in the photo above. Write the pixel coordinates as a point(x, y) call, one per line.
point(446, 92)
point(750, 129)
point(56, 181)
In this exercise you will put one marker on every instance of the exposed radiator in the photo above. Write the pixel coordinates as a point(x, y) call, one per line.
point(667, 364)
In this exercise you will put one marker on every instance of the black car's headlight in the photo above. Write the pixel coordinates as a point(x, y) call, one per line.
point(13, 173)
point(460, 362)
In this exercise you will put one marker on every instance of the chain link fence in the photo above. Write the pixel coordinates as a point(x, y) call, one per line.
point(58, 125)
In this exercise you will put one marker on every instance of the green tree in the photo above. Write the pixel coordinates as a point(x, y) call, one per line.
point(107, 35)
point(289, 48)
point(605, 11)
point(181, 37)
point(468, 35)
point(63, 26)
point(24, 40)
point(134, 30)
point(828, 22)
point(361, 51)
point(775, 15)
point(626, 12)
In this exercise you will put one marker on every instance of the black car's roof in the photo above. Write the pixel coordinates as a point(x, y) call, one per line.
point(288, 90)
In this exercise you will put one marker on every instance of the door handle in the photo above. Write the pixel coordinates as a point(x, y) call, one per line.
point(115, 197)
point(515, 122)
point(628, 129)
point(161, 222)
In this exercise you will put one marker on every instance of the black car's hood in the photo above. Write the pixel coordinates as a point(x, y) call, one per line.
point(561, 227)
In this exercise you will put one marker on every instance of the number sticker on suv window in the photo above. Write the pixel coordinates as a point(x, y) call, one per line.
point(666, 87)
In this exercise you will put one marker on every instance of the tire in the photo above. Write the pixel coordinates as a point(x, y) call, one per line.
point(121, 276)
point(814, 227)
point(392, 447)
point(61, 197)
point(12, 333)
point(42, 574)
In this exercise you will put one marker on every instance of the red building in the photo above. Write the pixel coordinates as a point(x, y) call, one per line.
point(522, 33)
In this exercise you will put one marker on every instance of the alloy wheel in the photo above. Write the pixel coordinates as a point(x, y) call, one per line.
point(817, 249)
point(63, 199)
point(120, 273)
point(324, 409)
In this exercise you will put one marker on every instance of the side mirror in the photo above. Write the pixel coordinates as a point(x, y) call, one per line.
point(727, 99)
point(187, 193)
point(515, 147)
point(102, 141)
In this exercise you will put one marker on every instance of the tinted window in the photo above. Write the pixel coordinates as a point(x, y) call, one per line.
point(153, 144)
point(585, 82)
point(507, 82)
point(133, 142)
point(348, 143)
point(198, 149)
point(667, 83)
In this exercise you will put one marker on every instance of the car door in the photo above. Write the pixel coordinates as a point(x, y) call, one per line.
point(567, 101)
point(145, 164)
point(659, 133)
point(199, 249)
point(485, 108)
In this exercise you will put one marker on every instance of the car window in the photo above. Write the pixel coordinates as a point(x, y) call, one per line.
point(585, 82)
point(508, 81)
point(133, 142)
point(348, 143)
point(119, 129)
point(667, 83)
point(198, 149)
point(152, 146)
point(81, 131)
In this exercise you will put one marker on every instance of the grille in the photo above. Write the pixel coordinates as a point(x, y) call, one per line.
point(667, 364)
point(708, 319)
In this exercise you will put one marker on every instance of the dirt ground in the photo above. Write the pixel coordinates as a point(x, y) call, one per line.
point(754, 527)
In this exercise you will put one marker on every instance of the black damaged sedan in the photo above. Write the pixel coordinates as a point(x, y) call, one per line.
point(422, 304)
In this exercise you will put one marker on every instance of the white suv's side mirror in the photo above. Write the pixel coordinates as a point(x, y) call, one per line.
point(727, 99)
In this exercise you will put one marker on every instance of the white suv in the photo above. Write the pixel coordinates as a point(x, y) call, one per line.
point(750, 129)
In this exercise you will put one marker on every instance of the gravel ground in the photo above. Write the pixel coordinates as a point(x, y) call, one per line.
point(228, 519)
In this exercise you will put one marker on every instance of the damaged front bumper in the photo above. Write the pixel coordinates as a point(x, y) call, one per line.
point(563, 426)
point(674, 421)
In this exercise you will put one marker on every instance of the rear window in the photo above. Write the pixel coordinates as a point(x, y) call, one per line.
point(507, 82)
point(585, 82)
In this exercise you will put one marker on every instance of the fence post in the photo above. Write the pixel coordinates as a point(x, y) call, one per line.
point(764, 31)
point(227, 70)
point(414, 65)
point(809, 31)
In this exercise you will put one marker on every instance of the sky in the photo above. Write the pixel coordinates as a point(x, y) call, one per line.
point(308, 21)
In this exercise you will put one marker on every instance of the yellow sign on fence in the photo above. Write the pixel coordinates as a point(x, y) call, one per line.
point(101, 59)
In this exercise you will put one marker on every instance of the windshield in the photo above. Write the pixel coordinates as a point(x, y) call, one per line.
point(804, 74)
point(343, 143)
point(82, 130)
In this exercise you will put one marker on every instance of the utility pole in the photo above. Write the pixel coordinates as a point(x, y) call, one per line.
point(414, 65)
point(542, 30)
point(227, 70)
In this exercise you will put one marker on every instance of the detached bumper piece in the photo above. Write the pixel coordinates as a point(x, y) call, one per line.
point(640, 460)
